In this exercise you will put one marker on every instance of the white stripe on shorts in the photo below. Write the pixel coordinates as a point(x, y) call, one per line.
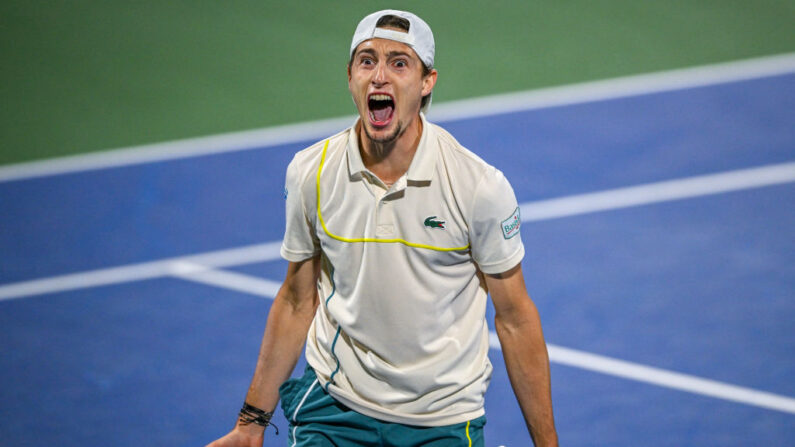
point(295, 413)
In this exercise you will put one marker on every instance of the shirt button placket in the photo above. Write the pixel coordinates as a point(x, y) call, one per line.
point(385, 227)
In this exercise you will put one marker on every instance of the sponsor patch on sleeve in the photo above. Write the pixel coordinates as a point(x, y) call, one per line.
point(510, 226)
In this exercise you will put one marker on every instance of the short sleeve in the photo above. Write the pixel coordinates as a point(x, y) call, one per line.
point(300, 241)
point(495, 222)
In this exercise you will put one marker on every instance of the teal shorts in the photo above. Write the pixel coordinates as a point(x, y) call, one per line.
point(317, 420)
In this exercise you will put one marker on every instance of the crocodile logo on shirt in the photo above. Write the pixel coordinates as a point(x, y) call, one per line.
point(430, 222)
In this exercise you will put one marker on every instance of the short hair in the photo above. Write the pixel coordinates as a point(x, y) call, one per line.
point(389, 20)
point(393, 21)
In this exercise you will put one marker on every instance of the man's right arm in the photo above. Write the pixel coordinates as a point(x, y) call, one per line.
point(285, 334)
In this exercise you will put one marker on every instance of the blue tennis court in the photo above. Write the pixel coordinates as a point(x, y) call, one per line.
point(133, 298)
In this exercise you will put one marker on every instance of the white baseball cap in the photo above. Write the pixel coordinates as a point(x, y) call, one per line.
point(419, 36)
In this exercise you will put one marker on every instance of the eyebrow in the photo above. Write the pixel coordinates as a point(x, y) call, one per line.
point(392, 54)
point(389, 55)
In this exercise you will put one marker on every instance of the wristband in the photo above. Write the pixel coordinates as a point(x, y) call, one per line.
point(251, 414)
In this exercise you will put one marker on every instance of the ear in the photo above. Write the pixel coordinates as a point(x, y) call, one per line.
point(350, 89)
point(429, 81)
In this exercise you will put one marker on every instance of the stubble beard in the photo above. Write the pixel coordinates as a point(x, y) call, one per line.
point(382, 146)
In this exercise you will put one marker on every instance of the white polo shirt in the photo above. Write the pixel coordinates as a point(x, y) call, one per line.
point(400, 333)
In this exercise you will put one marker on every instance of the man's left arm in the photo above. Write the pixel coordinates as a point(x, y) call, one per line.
point(519, 330)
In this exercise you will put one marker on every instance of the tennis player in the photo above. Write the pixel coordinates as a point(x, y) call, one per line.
point(395, 236)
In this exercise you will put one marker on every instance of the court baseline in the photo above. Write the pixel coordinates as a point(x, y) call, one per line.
point(622, 87)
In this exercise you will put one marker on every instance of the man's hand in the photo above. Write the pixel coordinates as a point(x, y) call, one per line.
point(241, 436)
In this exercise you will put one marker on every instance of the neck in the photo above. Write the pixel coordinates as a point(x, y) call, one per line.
point(390, 160)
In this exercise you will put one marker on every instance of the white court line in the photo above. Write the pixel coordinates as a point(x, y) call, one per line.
point(659, 192)
point(622, 87)
point(664, 378)
point(225, 279)
point(137, 272)
point(557, 354)
point(531, 211)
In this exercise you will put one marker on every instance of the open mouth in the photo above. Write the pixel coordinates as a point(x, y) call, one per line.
point(381, 107)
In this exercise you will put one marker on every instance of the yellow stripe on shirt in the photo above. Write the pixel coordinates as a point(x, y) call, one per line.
point(365, 239)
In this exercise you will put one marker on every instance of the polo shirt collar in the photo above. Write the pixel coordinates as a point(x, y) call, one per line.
point(424, 162)
point(422, 165)
point(355, 163)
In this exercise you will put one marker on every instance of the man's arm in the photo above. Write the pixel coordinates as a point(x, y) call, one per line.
point(519, 330)
point(285, 334)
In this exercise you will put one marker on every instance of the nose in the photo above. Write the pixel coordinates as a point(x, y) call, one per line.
point(379, 77)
